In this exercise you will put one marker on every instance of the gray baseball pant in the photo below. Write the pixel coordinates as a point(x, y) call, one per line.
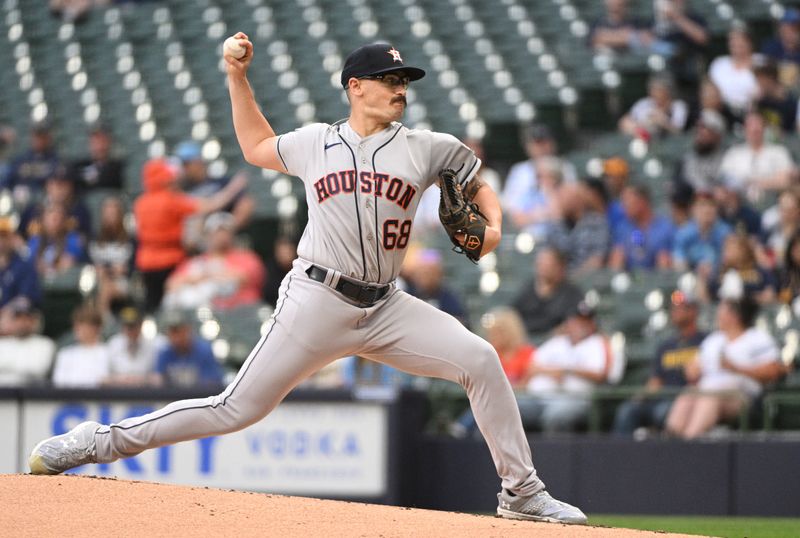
point(314, 325)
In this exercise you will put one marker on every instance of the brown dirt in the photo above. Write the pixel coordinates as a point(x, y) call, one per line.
point(41, 506)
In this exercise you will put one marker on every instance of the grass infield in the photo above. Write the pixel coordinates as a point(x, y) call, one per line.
point(727, 527)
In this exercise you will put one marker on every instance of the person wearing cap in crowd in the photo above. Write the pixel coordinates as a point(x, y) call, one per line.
point(784, 49)
point(224, 276)
point(644, 239)
point(133, 355)
point(564, 372)
point(733, 73)
point(732, 367)
point(18, 275)
point(160, 213)
point(758, 166)
point(582, 232)
point(58, 189)
point(186, 360)
point(651, 406)
point(28, 171)
point(545, 300)
point(87, 362)
point(700, 166)
point(616, 175)
point(426, 282)
point(776, 103)
point(25, 355)
point(698, 243)
point(658, 114)
point(197, 182)
point(100, 169)
point(522, 184)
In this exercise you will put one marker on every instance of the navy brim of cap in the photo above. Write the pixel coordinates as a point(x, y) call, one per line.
point(414, 73)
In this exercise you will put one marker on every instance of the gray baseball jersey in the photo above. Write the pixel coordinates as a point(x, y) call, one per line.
point(362, 194)
point(365, 191)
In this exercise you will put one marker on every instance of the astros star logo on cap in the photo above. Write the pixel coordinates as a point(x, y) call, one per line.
point(395, 55)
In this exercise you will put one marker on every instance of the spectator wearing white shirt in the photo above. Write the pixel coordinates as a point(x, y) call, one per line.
point(733, 73)
point(757, 165)
point(85, 364)
point(25, 357)
point(133, 356)
point(733, 365)
point(565, 371)
point(657, 114)
point(522, 185)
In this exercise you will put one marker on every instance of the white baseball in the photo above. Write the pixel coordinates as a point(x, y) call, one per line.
point(234, 48)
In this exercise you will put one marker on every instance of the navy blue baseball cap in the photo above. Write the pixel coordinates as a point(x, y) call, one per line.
point(376, 59)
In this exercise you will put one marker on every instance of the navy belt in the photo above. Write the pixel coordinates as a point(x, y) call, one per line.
point(363, 294)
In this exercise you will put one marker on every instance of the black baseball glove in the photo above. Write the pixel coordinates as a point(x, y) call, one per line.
point(460, 217)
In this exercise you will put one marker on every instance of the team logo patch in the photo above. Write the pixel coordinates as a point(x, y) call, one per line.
point(395, 55)
point(472, 242)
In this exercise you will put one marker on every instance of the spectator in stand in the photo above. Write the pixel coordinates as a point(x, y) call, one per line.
point(540, 211)
point(736, 211)
point(776, 104)
point(427, 284)
point(564, 373)
point(199, 184)
point(651, 407)
point(58, 189)
point(506, 333)
point(544, 302)
point(582, 232)
point(278, 266)
point(659, 114)
point(133, 356)
point(112, 254)
point(56, 249)
point(27, 172)
point(790, 272)
point(733, 74)
point(616, 175)
point(100, 169)
point(18, 276)
point(785, 49)
point(84, 364)
point(740, 275)
point(732, 367)
point(710, 98)
point(522, 185)
point(160, 213)
point(618, 31)
point(698, 244)
point(224, 276)
point(700, 166)
point(7, 138)
point(757, 165)
point(644, 239)
point(186, 360)
point(781, 223)
point(25, 356)
point(680, 35)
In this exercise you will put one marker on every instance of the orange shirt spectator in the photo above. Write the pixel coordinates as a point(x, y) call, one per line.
point(516, 364)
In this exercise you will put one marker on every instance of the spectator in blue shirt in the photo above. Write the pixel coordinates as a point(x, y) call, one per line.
point(651, 407)
point(56, 248)
point(18, 275)
point(644, 239)
point(27, 172)
point(698, 243)
point(187, 360)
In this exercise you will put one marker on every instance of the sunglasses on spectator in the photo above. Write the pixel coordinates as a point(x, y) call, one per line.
point(390, 79)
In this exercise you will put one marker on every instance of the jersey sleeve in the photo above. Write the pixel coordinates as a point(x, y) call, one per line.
point(296, 148)
point(448, 152)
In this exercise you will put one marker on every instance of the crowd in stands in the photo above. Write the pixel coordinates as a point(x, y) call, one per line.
point(732, 219)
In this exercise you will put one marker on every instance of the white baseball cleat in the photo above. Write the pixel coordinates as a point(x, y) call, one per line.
point(57, 454)
point(538, 507)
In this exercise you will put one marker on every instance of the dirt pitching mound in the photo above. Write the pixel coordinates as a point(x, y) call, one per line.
point(42, 506)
